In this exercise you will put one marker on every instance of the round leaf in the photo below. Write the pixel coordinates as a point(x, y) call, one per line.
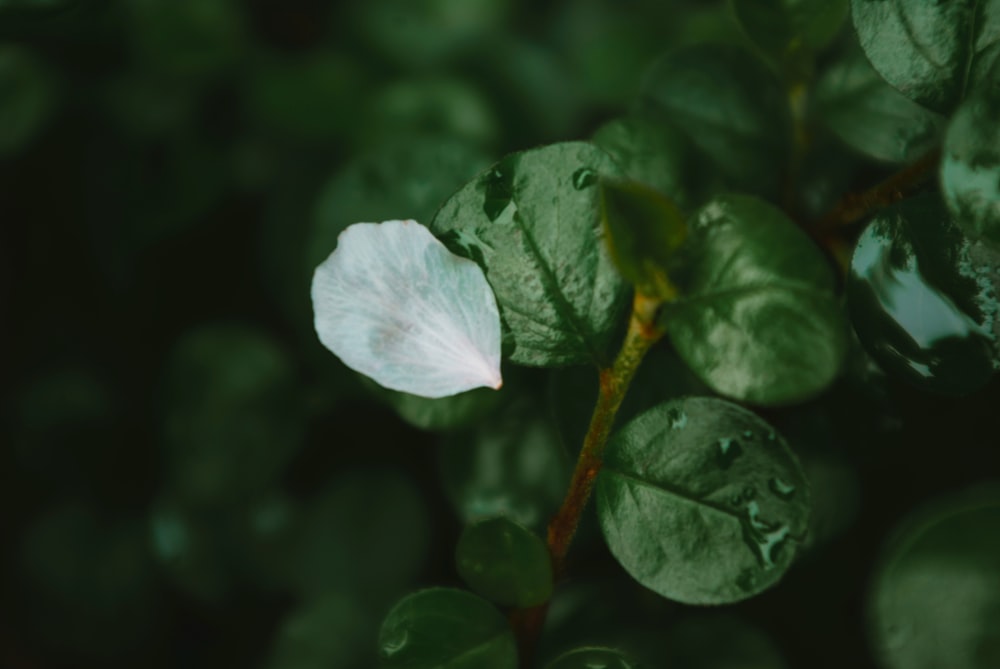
point(923, 299)
point(928, 50)
point(702, 502)
point(757, 319)
point(505, 563)
point(970, 164)
point(730, 106)
point(533, 223)
point(935, 601)
point(593, 658)
point(443, 628)
point(872, 117)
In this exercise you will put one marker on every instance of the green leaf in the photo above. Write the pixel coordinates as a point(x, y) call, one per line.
point(935, 599)
point(455, 412)
point(659, 155)
point(643, 230)
point(233, 417)
point(443, 628)
point(923, 299)
point(505, 563)
point(694, 643)
point(970, 164)
point(929, 51)
point(511, 465)
point(730, 106)
point(757, 319)
point(533, 223)
point(29, 95)
point(702, 502)
point(784, 29)
point(366, 535)
point(872, 117)
point(333, 631)
point(593, 658)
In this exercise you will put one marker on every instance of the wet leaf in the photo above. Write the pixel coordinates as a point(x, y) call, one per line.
point(593, 658)
point(872, 117)
point(533, 223)
point(928, 51)
point(757, 319)
point(443, 627)
point(923, 299)
point(935, 599)
point(505, 563)
point(702, 502)
point(730, 106)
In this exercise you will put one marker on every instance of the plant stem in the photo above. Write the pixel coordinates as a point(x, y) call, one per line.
point(855, 206)
point(614, 382)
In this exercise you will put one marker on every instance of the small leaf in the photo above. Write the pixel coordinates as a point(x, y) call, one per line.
point(730, 106)
point(443, 627)
point(593, 658)
point(643, 230)
point(872, 117)
point(394, 304)
point(935, 599)
point(928, 51)
point(970, 165)
point(512, 465)
point(923, 299)
point(505, 563)
point(757, 319)
point(533, 223)
point(702, 502)
point(784, 29)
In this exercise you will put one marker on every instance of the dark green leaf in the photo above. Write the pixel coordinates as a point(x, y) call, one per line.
point(757, 319)
point(659, 155)
point(333, 631)
point(784, 29)
point(928, 51)
point(923, 299)
point(505, 563)
point(593, 658)
point(233, 416)
point(512, 465)
point(935, 601)
point(533, 223)
point(446, 413)
point(702, 502)
point(730, 106)
point(872, 117)
point(27, 100)
point(970, 165)
point(719, 641)
point(442, 628)
point(366, 535)
point(643, 230)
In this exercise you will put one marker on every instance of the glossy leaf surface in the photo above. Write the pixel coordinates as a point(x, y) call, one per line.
point(923, 299)
point(505, 563)
point(702, 502)
point(730, 106)
point(443, 628)
point(970, 164)
point(935, 600)
point(593, 658)
point(785, 28)
point(928, 50)
point(757, 319)
point(532, 222)
point(872, 117)
point(643, 230)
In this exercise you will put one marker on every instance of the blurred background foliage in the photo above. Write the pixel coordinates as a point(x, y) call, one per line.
point(188, 479)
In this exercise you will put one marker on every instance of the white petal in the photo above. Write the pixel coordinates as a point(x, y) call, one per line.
point(393, 303)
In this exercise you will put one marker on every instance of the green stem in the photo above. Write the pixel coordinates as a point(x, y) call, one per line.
point(614, 382)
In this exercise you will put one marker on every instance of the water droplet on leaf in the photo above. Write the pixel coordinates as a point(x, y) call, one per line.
point(584, 177)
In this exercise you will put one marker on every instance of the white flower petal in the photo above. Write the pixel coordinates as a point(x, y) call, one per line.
point(393, 303)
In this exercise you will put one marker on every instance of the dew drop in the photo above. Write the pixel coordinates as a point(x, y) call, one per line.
point(583, 177)
point(677, 418)
point(498, 190)
point(747, 580)
point(747, 434)
point(781, 488)
point(763, 538)
point(395, 643)
point(729, 450)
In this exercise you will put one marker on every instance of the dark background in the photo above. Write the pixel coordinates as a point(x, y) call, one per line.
point(170, 423)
